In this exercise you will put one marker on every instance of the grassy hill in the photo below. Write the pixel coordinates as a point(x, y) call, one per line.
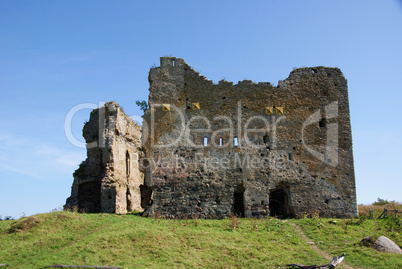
point(131, 241)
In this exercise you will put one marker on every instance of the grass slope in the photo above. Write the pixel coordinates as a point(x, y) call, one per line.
point(132, 241)
point(344, 236)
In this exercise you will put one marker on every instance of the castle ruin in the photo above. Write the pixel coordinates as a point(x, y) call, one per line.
point(211, 150)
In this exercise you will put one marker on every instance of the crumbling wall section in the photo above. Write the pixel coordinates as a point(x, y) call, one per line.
point(109, 179)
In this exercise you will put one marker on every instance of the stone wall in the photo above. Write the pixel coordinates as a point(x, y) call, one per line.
point(211, 150)
point(109, 179)
point(251, 149)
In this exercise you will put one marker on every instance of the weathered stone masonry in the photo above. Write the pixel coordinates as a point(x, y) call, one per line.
point(251, 149)
point(109, 179)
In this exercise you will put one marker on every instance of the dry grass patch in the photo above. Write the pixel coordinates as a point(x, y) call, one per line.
point(378, 209)
point(24, 224)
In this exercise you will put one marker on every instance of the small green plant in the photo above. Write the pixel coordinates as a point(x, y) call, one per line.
point(142, 104)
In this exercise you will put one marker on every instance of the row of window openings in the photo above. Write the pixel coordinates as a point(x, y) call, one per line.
point(265, 138)
point(235, 142)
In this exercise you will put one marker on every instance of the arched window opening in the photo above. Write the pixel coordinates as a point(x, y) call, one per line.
point(128, 164)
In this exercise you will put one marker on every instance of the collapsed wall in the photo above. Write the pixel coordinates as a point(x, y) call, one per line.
point(109, 179)
point(250, 149)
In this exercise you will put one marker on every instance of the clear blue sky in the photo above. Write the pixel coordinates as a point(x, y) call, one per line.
point(57, 54)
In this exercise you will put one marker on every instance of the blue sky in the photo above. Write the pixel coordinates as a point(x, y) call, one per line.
point(57, 54)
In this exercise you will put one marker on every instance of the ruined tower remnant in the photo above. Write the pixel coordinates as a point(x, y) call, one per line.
point(109, 179)
point(250, 149)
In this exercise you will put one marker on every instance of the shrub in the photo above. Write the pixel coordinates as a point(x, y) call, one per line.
point(234, 221)
point(381, 202)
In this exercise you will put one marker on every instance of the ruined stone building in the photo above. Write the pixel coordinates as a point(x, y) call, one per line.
point(109, 179)
point(211, 150)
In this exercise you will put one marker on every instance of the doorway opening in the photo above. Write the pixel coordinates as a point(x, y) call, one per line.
point(146, 196)
point(279, 204)
point(238, 200)
point(89, 197)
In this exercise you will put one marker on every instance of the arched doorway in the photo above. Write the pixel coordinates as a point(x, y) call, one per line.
point(279, 204)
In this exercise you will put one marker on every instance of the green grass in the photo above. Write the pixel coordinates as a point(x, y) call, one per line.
point(344, 236)
point(131, 241)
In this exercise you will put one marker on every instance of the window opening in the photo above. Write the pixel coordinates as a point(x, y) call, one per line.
point(265, 139)
point(128, 164)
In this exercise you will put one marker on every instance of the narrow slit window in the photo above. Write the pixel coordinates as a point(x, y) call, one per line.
point(128, 164)
point(236, 142)
point(220, 142)
point(322, 123)
point(290, 156)
point(173, 63)
point(265, 139)
point(205, 141)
